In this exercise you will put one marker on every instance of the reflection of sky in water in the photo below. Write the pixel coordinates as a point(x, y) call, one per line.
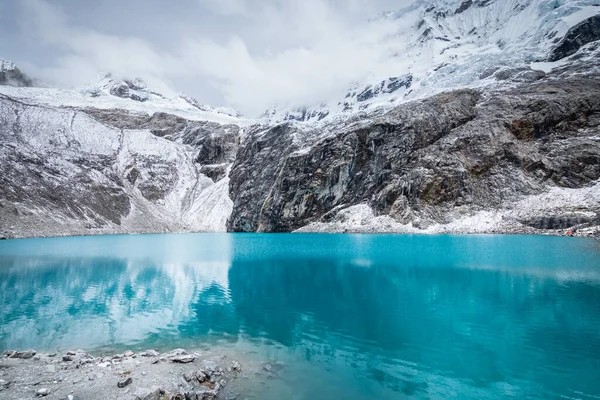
point(405, 314)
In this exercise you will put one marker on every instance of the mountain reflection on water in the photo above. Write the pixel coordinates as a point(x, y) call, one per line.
point(417, 315)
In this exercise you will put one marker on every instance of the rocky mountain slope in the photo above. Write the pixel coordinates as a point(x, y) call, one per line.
point(81, 168)
point(431, 163)
point(492, 124)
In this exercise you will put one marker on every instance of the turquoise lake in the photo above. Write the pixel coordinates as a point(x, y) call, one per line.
point(341, 316)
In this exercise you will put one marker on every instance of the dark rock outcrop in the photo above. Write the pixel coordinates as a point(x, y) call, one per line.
point(456, 149)
point(216, 172)
point(12, 76)
point(216, 143)
point(465, 5)
point(130, 89)
point(585, 32)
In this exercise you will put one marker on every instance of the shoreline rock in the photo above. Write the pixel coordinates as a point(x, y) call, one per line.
point(148, 375)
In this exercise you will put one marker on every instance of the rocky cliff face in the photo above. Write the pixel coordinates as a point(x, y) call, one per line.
point(429, 163)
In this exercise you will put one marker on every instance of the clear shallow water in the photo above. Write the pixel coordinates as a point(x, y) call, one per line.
point(350, 316)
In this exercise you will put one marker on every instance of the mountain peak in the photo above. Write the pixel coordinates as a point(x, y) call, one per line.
point(447, 44)
point(11, 75)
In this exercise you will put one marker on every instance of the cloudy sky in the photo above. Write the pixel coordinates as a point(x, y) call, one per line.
point(249, 54)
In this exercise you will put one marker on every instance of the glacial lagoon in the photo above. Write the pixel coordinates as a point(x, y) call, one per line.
point(338, 316)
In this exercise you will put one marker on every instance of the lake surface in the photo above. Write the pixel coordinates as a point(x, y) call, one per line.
point(340, 316)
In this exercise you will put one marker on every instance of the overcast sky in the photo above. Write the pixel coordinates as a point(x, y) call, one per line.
point(248, 54)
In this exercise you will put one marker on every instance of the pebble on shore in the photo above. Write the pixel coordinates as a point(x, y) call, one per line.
point(149, 375)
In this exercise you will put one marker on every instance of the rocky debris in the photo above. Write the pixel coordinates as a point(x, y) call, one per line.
point(20, 354)
point(206, 382)
point(561, 221)
point(116, 376)
point(148, 394)
point(149, 353)
point(183, 359)
point(126, 382)
point(78, 357)
point(585, 32)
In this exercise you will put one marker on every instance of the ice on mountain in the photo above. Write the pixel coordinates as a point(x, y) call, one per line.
point(220, 110)
point(448, 44)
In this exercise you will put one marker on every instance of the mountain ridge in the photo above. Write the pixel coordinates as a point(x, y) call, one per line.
point(474, 142)
point(451, 49)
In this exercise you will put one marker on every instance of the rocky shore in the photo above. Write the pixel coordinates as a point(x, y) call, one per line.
point(147, 375)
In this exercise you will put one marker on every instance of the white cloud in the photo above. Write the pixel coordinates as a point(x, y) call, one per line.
point(84, 53)
point(290, 52)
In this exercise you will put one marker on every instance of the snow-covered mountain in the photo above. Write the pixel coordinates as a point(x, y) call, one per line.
point(128, 94)
point(449, 44)
point(113, 157)
point(489, 121)
point(10, 75)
